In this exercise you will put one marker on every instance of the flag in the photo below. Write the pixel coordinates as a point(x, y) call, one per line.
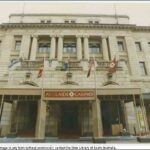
point(15, 62)
point(91, 64)
point(112, 66)
point(66, 65)
point(40, 72)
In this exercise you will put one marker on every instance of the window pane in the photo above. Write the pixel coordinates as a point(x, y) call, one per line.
point(44, 47)
point(149, 45)
point(69, 48)
point(94, 48)
point(18, 45)
point(142, 68)
point(138, 46)
point(120, 46)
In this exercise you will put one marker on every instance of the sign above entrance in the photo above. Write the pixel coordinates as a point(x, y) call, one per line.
point(70, 94)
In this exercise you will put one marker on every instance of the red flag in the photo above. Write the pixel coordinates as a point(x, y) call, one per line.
point(40, 73)
point(112, 66)
point(91, 64)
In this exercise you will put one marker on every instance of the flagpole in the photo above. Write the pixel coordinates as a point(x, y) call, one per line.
point(43, 78)
point(97, 104)
point(40, 101)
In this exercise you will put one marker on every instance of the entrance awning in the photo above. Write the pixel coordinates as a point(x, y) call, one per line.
point(20, 91)
point(118, 90)
point(109, 90)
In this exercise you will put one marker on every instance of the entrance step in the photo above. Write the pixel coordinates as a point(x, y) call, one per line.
point(143, 139)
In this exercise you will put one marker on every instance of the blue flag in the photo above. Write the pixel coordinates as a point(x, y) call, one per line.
point(66, 65)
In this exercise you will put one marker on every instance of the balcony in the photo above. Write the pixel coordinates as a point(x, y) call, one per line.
point(30, 65)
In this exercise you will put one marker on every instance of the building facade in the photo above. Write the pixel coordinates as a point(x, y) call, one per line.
point(63, 101)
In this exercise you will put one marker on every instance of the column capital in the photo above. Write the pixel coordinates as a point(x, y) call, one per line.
point(104, 36)
point(52, 35)
point(79, 36)
point(85, 36)
point(35, 36)
point(60, 36)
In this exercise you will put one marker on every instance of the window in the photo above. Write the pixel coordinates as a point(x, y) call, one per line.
point(149, 45)
point(69, 48)
point(138, 46)
point(44, 47)
point(73, 21)
point(18, 45)
point(48, 21)
point(143, 68)
point(66, 21)
point(121, 46)
point(94, 48)
point(90, 22)
point(42, 21)
point(96, 22)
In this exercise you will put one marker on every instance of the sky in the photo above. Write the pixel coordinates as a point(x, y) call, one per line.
point(139, 12)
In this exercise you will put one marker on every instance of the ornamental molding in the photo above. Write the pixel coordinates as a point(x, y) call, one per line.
point(75, 25)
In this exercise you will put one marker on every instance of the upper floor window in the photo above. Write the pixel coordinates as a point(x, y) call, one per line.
point(17, 45)
point(93, 22)
point(121, 46)
point(69, 48)
point(96, 22)
point(42, 21)
point(73, 21)
point(44, 47)
point(143, 68)
point(149, 45)
point(0, 47)
point(138, 46)
point(94, 48)
point(66, 21)
point(48, 21)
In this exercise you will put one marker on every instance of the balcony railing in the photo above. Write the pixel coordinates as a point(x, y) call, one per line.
point(73, 65)
point(27, 64)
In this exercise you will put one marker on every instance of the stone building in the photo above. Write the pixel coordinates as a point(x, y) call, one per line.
point(64, 102)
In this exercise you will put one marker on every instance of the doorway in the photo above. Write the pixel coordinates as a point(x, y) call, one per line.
point(69, 122)
point(112, 118)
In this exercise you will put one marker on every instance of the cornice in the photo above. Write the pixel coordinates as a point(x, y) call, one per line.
point(25, 25)
point(72, 15)
point(131, 27)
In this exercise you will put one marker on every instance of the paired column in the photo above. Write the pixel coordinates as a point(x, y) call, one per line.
point(86, 47)
point(53, 47)
point(34, 48)
point(60, 48)
point(79, 48)
point(145, 48)
point(41, 118)
point(105, 48)
point(6, 47)
point(132, 56)
point(25, 45)
point(113, 46)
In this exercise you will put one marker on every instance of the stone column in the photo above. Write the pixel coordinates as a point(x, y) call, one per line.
point(53, 47)
point(79, 48)
point(113, 47)
point(105, 48)
point(145, 48)
point(60, 48)
point(41, 118)
point(34, 48)
point(25, 45)
point(132, 56)
point(86, 48)
point(97, 119)
point(7, 46)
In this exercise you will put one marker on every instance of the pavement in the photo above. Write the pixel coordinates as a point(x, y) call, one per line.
point(118, 139)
